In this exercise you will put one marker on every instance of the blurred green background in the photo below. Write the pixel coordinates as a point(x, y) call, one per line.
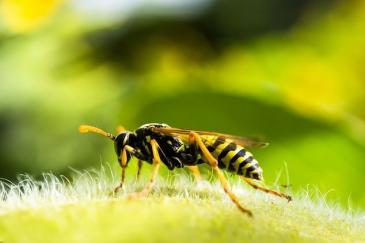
point(291, 71)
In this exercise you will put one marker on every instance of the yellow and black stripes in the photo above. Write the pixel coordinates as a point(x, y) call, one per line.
point(229, 148)
point(240, 154)
point(233, 157)
point(217, 141)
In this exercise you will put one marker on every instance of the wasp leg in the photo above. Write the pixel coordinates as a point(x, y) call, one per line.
point(123, 163)
point(195, 138)
point(264, 189)
point(195, 170)
point(156, 167)
point(140, 163)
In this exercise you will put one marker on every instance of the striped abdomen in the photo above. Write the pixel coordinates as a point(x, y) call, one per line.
point(233, 157)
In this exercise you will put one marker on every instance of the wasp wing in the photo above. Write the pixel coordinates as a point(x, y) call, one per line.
point(243, 141)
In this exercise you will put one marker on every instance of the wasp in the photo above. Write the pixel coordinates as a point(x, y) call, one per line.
point(158, 144)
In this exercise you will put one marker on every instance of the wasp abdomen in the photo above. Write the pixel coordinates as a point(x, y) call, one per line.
point(233, 157)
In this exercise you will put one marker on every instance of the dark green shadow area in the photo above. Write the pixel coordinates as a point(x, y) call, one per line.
point(315, 153)
point(230, 114)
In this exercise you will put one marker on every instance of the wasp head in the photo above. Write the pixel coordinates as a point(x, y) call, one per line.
point(123, 139)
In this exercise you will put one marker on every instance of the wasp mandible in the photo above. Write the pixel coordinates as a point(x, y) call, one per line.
point(157, 143)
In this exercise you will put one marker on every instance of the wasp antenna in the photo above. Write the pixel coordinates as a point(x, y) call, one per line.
point(87, 128)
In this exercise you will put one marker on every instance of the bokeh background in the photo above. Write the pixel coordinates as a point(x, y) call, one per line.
point(291, 71)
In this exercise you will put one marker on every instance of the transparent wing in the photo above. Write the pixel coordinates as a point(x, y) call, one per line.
point(243, 141)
